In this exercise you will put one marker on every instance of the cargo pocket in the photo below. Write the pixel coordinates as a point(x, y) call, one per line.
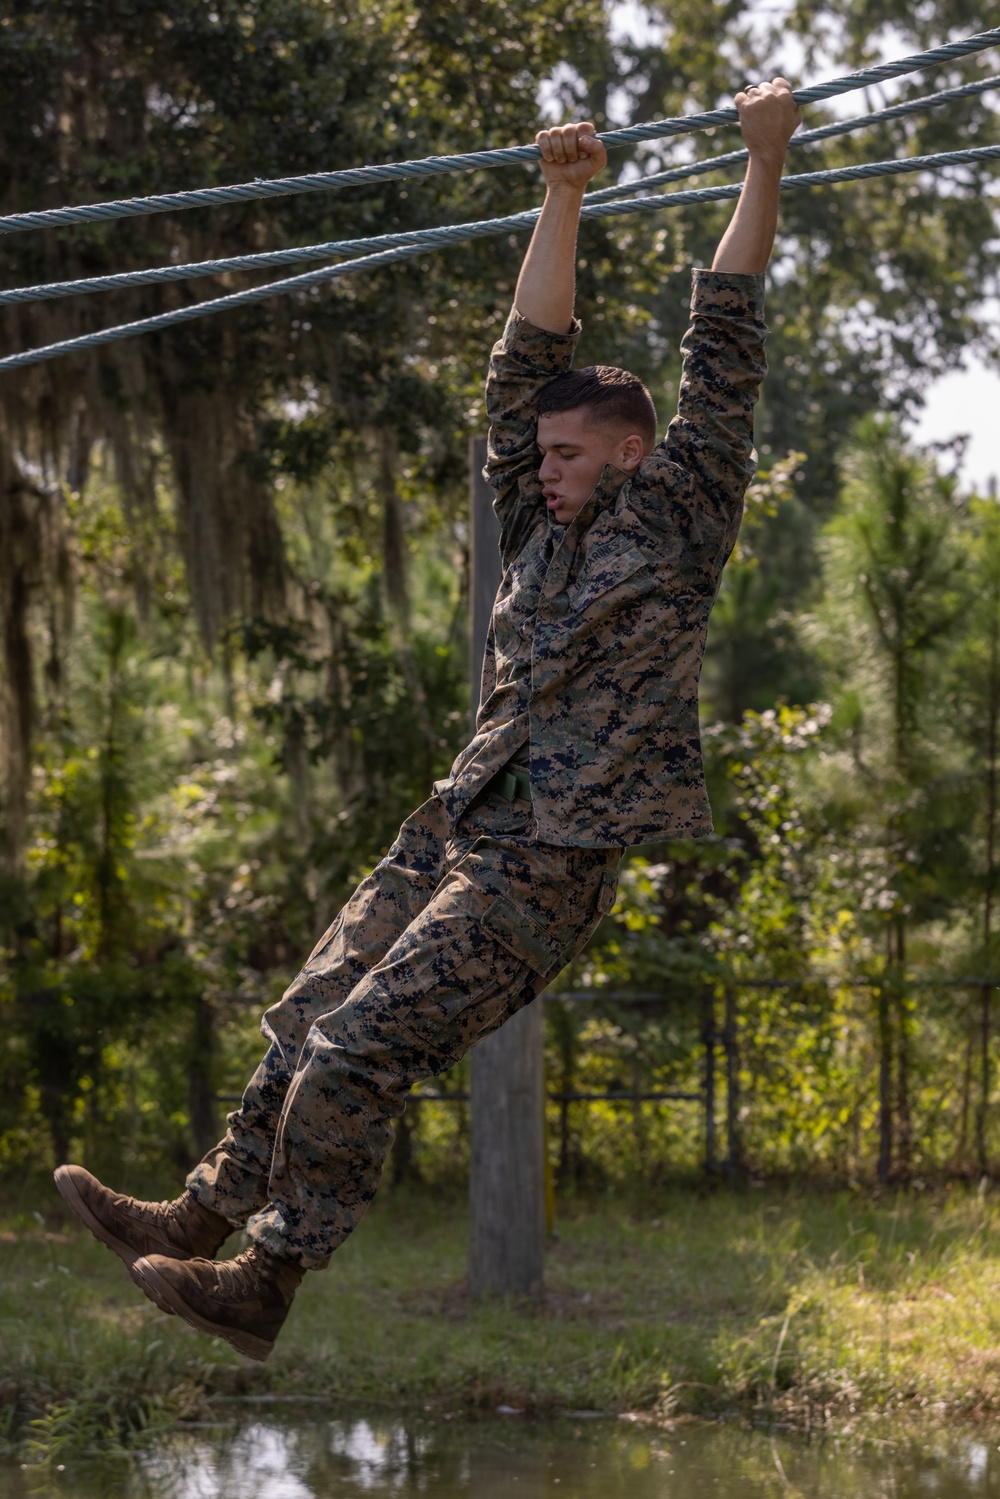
point(521, 934)
point(323, 1120)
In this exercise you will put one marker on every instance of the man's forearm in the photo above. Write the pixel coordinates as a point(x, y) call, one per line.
point(546, 287)
point(746, 246)
point(769, 116)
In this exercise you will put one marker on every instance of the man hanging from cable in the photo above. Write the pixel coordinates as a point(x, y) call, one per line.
point(587, 742)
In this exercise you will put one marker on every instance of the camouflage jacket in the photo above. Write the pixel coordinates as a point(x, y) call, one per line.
point(598, 629)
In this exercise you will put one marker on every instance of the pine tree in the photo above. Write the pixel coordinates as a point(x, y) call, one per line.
point(893, 588)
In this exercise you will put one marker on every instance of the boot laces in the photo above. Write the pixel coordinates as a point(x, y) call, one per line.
point(245, 1272)
point(162, 1215)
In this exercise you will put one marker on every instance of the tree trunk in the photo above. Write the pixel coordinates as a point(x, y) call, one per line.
point(985, 1026)
point(397, 598)
point(904, 1114)
point(201, 1078)
point(110, 892)
point(55, 1079)
point(17, 698)
point(884, 1018)
point(986, 993)
point(708, 1041)
point(962, 1147)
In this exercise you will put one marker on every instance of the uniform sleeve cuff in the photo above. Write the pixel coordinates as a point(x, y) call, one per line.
point(548, 352)
point(727, 291)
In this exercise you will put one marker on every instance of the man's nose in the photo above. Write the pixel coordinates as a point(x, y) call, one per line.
point(548, 468)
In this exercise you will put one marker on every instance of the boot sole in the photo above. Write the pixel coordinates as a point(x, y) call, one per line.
point(163, 1294)
point(67, 1189)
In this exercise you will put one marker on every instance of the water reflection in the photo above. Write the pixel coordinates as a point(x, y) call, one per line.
point(308, 1455)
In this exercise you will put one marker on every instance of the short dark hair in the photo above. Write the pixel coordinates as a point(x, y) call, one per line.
point(613, 395)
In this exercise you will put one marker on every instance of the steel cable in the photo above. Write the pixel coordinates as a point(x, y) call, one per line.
point(803, 138)
point(437, 165)
point(454, 234)
point(475, 229)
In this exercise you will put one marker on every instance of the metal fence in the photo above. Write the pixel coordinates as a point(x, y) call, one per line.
point(718, 1094)
point(719, 1091)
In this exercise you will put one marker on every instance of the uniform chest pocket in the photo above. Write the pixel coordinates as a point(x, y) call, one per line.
point(608, 569)
point(619, 599)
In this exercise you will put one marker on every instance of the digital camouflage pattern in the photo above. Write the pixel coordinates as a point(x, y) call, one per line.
point(599, 627)
point(454, 931)
point(592, 666)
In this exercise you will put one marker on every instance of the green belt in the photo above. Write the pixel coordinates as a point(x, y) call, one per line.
point(511, 783)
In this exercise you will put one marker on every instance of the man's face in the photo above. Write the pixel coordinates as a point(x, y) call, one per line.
point(574, 449)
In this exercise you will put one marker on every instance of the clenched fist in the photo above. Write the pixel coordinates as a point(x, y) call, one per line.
point(571, 155)
point(769, 117)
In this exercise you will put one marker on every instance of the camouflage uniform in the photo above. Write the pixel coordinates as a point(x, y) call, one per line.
point(452, 932)
point(599, 627)
point(591, 675)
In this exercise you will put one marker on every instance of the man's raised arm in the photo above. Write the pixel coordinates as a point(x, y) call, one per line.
point(540, 336)
point(723, 350)
point(769, 117)
point(546, 287)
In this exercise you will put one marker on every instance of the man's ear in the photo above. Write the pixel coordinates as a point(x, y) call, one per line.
point(630, 454)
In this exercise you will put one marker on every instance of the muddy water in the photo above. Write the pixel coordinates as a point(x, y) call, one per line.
point(280, 1452)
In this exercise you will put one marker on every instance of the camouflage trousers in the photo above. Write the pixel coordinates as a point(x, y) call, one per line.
point(454, 931)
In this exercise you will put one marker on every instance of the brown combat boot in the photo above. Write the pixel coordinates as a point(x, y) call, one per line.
point(244, 1300)
point(179, 1230)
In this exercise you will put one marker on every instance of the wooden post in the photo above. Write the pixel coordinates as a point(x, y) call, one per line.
point(507, 1180)
point(507, 1175)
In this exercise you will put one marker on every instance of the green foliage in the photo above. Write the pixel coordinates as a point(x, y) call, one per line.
point(851, 884)
point(233, 572)
point(190, 827)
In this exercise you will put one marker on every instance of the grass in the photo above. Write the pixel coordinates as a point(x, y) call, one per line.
point(815, 1308)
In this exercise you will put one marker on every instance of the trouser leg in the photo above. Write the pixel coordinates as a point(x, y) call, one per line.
point(233, 1177)
point(507, 916)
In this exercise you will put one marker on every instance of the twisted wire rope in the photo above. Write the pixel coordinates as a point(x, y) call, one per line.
point(450, 234)
point(803, 138)
point(437, 165)
point(454, 235)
